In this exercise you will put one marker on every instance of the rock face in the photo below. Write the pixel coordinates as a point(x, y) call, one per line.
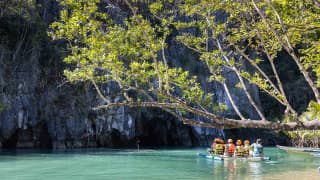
point(41, 110)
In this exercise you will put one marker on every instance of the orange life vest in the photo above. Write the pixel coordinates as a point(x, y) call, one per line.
point(231, 149)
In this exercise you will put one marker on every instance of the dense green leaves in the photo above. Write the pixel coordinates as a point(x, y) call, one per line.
point(313, 111)
point(227, 35)
point(263, 28)
point(126, 53)
point(307, 137)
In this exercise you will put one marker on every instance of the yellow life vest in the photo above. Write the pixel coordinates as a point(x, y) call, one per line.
point(246, 150)
point(239, 151)
point(219, 149)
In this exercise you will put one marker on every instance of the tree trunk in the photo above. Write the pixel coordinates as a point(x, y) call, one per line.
point(219, 122)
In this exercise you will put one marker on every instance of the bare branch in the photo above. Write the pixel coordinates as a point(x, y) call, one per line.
point(167, 88)
point(288, 47)
point(231, 101)
point(255, 65)
point(275, 72)
point(99, 92)
point(241, 82)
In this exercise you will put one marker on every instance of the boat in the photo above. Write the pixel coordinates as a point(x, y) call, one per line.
point(208, 156)
point(222, 158)
point(264, 158)
point(299, 149)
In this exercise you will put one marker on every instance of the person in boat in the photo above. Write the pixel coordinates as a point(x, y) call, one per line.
point(239, 151)
point(247, 149)
point(257, 148)
point(219, 147)
point(213, 146)
point(229, 148)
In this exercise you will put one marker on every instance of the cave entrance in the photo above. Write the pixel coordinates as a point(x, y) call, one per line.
point(37, 137)
point(11, 142)
point(44, 140)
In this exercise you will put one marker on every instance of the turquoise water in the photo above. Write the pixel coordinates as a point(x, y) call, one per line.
point(146, 164)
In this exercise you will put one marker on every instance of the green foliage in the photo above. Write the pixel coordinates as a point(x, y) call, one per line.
point(130, 53)
point(219, 108)
point(282, 25)
point(21, 25)
point(313, 112)
point(125, 53)
point(305, 138)
point(25, 8)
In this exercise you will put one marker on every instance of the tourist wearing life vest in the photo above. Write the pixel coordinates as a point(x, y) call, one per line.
point(213, 146)
point(219, 147)
point(239, 152)
point(230, 148)
point(257, 148)
point(223, 145)
point(247, 150)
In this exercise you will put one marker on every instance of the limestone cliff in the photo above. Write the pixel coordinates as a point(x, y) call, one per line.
point(41, 110)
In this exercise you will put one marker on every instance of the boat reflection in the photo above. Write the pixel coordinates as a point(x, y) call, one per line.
point(238, 169)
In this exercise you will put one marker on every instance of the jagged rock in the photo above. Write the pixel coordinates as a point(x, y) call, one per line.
point(42, 111)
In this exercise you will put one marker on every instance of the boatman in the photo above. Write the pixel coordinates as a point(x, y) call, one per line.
point(257, 148)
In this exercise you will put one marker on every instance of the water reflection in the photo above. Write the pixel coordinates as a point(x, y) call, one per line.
point(282, 164)
point(237, 169)
point(255, 170)
point(226, 169)
point(231, 169)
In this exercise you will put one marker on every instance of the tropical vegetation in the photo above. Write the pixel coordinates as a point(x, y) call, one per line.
point(239, 36)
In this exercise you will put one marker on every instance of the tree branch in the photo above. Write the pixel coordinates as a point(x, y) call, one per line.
point(99, 92)
point(233, 68)
point(148, 45)
point(219, 122)
point(289, 49)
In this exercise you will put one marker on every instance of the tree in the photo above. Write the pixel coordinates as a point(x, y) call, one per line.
point(18, 18)
point(132, 54)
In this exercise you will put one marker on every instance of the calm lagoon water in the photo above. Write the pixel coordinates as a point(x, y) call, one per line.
point(166, 164)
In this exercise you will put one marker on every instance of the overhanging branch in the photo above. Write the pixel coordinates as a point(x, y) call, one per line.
point(218, 122)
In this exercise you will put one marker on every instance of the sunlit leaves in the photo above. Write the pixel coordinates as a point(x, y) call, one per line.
point(224, 35)
point(303, 136)
point(313, 111)
point(283, 24)
point(219, 108)
point(127, 53)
